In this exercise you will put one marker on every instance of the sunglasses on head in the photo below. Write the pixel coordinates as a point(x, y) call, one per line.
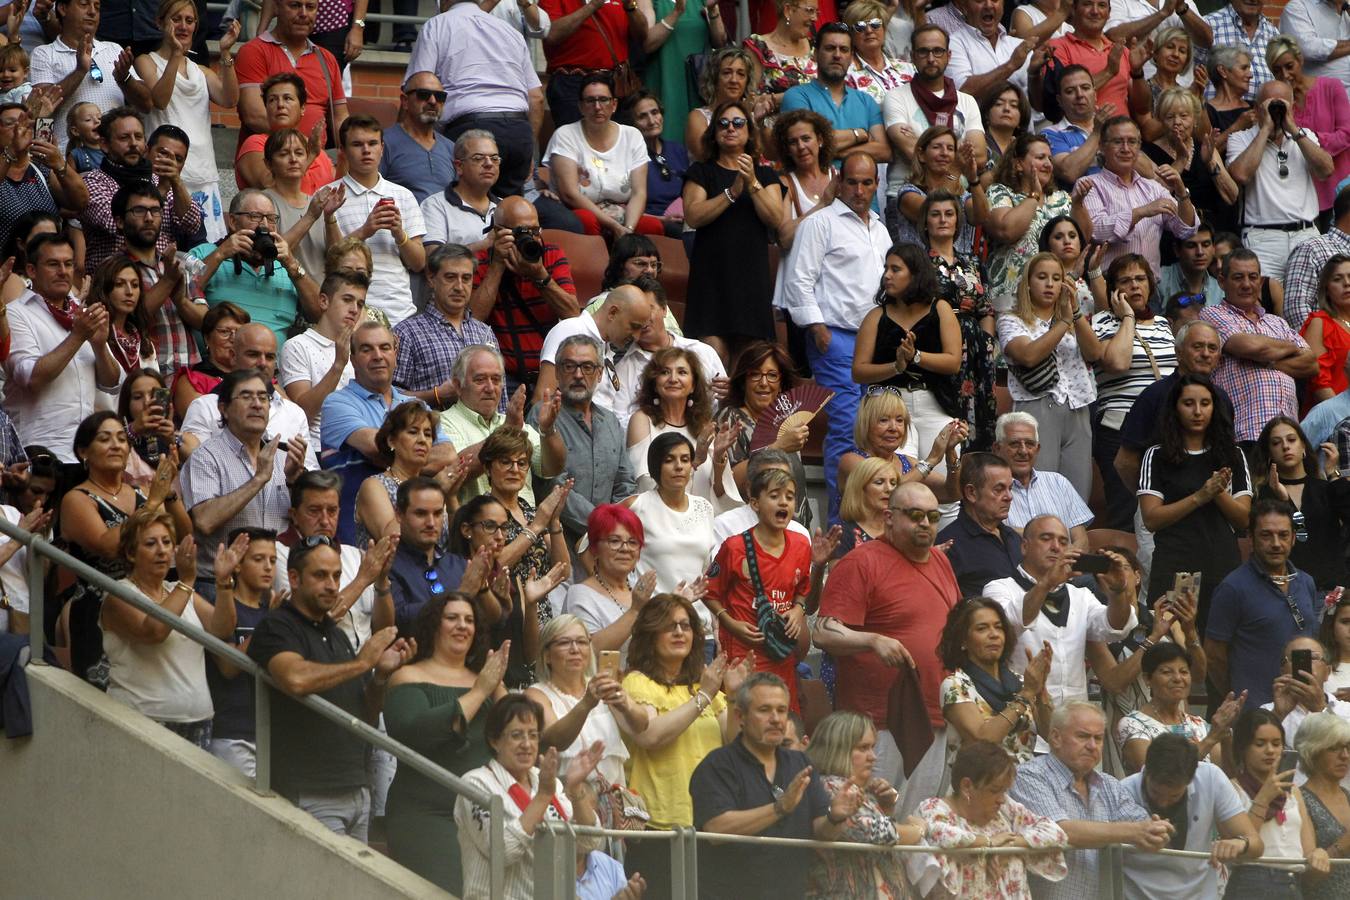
point(734, 122)
point(425, 94)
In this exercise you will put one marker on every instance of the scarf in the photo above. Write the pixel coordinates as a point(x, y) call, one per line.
point(996, 693)
point(64, 314)
point(1056, 605)
point(937, 110)
point(126, 347)
point(1252, 785)
point(522, 799)
point(124, 174)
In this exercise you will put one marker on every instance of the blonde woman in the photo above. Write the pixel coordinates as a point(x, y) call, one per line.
point(867, 493)
point(881, 430)
point(731, 74)
point(873, 71)
point(1179, 136)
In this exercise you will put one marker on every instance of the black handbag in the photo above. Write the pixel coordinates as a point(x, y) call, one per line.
point(777, 645)
point(1039, 379)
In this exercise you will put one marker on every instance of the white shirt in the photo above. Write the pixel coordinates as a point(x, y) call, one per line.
point(390, 285)
point(49, 416)
point(13, 574)
point(972, 54)
point(678, 543)
point(835, 266)
point(1124, 12)
point(308, 357)
point(202, 421)
point(602, 177)
point(356, 623)
point(900, 108)
point(605, 395)
point(1086, 622)
point(53, 62)
point(1318, 25)
point(630, 368)
point(473, 820)
point(1268, 198)
point(740, 520)
point(510, 12)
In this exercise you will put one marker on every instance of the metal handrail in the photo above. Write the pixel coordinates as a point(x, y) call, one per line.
point(40, 548)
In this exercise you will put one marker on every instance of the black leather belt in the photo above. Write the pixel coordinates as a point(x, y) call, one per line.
point(1286, 226)
point(483, 117)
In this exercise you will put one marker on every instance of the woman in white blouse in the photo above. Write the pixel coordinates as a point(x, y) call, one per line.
point(599, 167)
point(513, 729)
point(677, 525)
point(1049, 343)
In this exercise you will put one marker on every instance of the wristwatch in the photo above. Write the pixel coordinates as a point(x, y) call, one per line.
point(299, 271)
point(360, 23)
point(541, 283)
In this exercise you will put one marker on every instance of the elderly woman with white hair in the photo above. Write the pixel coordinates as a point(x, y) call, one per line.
point(1179, 136)
point(1320, 105)
point(582, 706)
point(1323, 744)
point(1230, 71)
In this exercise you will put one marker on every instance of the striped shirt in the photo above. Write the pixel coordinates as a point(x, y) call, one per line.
point(1047, 494)
point(1303, 270)
point(521, 316)
point(1259, 391)
point(174, 345)
point(218, 467)
point(103, 234)
point(1116, 392)
point(1111, 205)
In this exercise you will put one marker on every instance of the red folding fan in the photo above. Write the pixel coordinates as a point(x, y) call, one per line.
point(797, 407)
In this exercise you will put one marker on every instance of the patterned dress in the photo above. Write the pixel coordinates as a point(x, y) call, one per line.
point(1327, 831)
point(778, 73)
point(1140, 726)
point(993, 877)
point(1006, 261)
point(959, 688)
point(536, 558)
point(836, 875)
point(962, 284)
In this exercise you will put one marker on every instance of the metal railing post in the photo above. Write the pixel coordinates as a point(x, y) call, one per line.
point(678, 870)
point(496, 846)
point(262, 736)
point(37, 602)
point(547, 848)
point(690, 862)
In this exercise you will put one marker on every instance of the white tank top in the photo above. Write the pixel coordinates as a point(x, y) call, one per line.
point(1282, 839)
point(190, 109)
point(600, 726)
point(165, 681)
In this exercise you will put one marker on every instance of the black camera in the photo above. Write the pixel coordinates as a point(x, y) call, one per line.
point(1277, 112)
point(264, 245)
point(528, 245)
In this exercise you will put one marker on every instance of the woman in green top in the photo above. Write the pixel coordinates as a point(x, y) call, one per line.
point(675, 31)
point(437, 705)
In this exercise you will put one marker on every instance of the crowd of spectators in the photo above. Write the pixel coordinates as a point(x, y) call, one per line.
point(1069, 282)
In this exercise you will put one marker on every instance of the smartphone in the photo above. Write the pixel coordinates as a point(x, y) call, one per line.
point(1301, 661)
point(44, 129)
point(1093, 564)
point(160, 397)
point(1288, 760)
point(609, 662)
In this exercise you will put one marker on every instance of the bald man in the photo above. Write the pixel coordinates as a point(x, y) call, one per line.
point(883, 610)
point(416, 155)
point(521, 294)
point(832, 275)
point(619, 320)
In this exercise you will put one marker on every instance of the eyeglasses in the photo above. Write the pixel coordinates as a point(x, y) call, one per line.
point(916, 515)
point(571, 366)
point(868, 25)
point(251, 397)
point(596, 101)
point(811, 12)
point(521, 464)
point(518, 737)
point(434, 581)
point(1313, 655)
point(929, 51)
point(1127, 143)
point(737, 122)
point(646, 264)
point(318, 540)
point(425, 94)
point(487, 526)
point(618, 543)
point(766, 377)
point(479, 159)
point(570, 643)
point(680, 625)
point(1282, 157)
point(145, 212)
point(257, 218)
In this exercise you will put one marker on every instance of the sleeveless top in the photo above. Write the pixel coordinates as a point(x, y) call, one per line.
point(600, 726)
point(927, 339)
point(1281, 839)
point(190, 109)
point(165, 681)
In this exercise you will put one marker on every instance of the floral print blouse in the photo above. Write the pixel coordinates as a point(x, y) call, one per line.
point(778, 73)
point(993, 877)
point(875, 83)
point(1140, 726)
point(961, 283)
point(1075, 388)
point(959, 688)
point(1006, 261)
point(837, 875)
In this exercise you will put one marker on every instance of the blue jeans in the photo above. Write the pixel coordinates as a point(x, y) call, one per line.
point(1262, 883)
point(833, 369)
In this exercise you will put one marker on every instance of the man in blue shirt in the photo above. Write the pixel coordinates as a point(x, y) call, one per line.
point(856, 116)
point(420, 569)
point(1257, 609)
point(984, 548)
point(416, 155)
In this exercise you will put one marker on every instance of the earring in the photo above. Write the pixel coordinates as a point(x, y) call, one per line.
point(689, 403)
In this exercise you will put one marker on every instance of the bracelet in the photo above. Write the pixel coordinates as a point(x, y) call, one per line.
point(226, 585)
point(923, 467)
point(662, 23)
point(721, 613)
point(406, 238)
point(701, 700)
point(436, 394)
point(387, 589)
point(1095, 274)
point(227, 59)
point(555, 531)
point(727, 193)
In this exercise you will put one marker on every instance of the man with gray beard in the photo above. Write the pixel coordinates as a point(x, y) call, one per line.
point(596, 455)
point(416, 155)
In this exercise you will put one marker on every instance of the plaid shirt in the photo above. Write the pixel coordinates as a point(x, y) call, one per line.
point(1259, 391)
point(521, 316)
point(1303, 270)
point(103, 234)
point(11, 448)
point(1228, 29)
point(428, 345)
point(174, 345)
point(1045, 786)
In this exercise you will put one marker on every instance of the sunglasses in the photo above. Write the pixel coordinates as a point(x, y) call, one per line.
point(95, 72)
point(917, 516)
point(425, 94)
point(868, 25)
point(434, 581)
point(738, 122)
point(1282, 158)
point(1186, 300)
point(1300, 527)
point(663, 165)
point(316, 540)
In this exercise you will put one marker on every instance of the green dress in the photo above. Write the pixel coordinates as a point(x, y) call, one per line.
point(666, 75)
point(420, 815)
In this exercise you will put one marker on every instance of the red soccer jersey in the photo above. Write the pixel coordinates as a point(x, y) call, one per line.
point(785, 578)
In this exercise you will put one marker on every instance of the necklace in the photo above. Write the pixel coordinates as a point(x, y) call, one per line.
point(109, 491)
point(399, 479)
point(608, 590)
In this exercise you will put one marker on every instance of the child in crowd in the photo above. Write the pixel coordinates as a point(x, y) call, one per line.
point(766, 565)
point(317, 362)
point(85, 149)
point(14, 84)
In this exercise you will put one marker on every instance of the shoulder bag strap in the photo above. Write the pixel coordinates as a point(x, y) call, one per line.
point(328, 83)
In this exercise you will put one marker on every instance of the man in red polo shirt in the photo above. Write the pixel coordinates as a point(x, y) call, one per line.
point(1086, 45)
point(884, 607)
point(287, 48)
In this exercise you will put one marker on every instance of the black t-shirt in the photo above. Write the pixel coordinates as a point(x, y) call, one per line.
point(311, 754)
point(1140, 428)
point(233, 698)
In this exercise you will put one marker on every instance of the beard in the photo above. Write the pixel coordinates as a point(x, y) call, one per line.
point(577, 396)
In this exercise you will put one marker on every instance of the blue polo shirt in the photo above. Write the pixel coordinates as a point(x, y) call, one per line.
point(269, 300)
point(977, 557)
point(422, 171)
point(857, 111)
point(1253, 617)
point(1066, 138)
point(348, 410)
point(410, 578)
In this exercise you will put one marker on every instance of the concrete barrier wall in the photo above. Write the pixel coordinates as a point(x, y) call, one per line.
point(101, 802)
